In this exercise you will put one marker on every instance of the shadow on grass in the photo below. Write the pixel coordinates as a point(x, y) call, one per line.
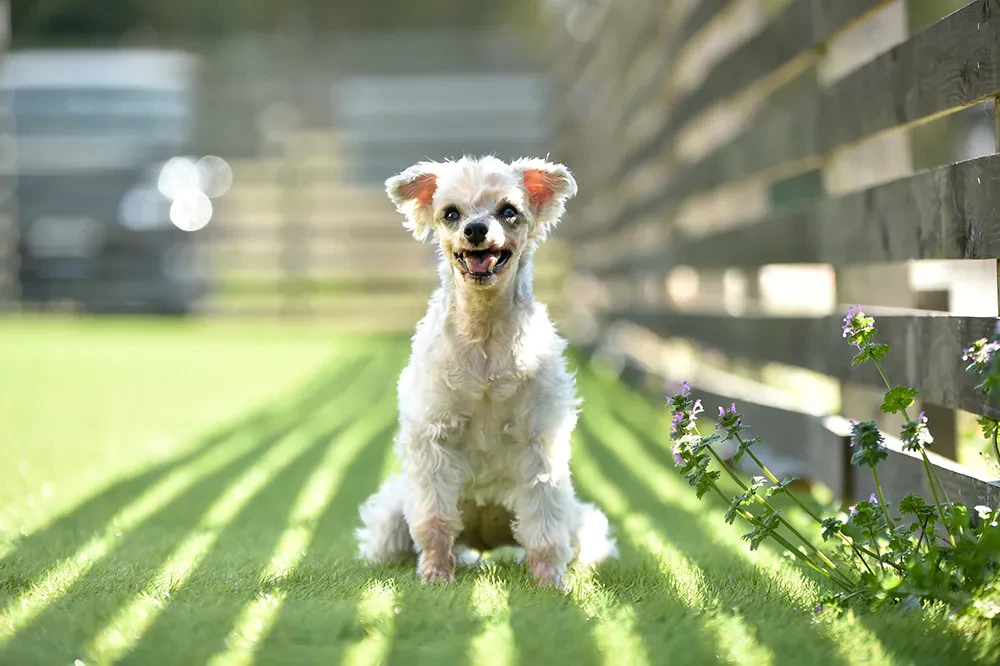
point(680, 528)
point(37, 553)
point(101, 591)
point(653, 613)
point(318, 619)
point(243, 548)
point(435, 623)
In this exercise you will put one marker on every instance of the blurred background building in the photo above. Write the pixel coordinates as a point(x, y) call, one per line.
point(228, 157)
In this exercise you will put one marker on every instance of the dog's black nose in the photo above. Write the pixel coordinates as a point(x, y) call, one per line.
point(475, 232)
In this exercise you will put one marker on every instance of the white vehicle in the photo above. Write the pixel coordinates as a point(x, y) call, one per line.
point(93, 131)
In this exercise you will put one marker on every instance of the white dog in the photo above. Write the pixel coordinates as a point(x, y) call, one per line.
point(486, 404)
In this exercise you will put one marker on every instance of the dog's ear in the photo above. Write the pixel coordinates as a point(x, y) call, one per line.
point(412, 192)
point(548, 186)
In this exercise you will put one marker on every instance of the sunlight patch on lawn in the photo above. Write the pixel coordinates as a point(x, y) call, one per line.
point(376, 613)
point(114, 640)
point(615, 630)
point(683, 576)
point(490, 602)
point(257, 619)
point(58, 581)
point(125, 631)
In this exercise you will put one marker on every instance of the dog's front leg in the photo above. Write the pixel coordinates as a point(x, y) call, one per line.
point(432, 513)
point(543, 506)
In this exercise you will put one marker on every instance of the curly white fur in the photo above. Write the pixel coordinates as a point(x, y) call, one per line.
point(486, 404)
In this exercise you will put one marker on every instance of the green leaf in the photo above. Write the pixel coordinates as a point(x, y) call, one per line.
point(876, 351)
point(831, 527)
point(870, 456)
point(705, 481)
point(783, 486)
point(764, 528)
point(991, 427)
point(898, 399)
point(914, 505)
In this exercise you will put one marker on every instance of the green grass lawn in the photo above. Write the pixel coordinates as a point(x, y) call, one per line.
point(185, 494)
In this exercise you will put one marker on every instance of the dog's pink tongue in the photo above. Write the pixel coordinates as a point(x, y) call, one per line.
point(481, 263)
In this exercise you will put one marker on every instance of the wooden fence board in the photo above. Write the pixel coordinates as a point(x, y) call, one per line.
point(821, 444)
point(947, 213)
point(903, 473)
point(803, 26)
point(926, 349)
point(692, 25)
point(950, 65)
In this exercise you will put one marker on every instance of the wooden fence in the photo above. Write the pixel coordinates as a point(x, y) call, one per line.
point(748, 168)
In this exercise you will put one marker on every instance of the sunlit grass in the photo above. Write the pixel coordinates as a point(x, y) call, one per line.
point(117, 638)
point(258, 617)
point(232, 543)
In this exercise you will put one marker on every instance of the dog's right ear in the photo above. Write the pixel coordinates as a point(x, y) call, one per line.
point(412, 192)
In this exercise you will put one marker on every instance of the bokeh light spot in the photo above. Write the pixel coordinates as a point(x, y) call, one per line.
point(191, 211)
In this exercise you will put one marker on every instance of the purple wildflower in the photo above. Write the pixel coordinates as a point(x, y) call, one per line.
point(729, 419)
point(857, 326)
point(915, 435)
point(678, 458)
point(819, 608)
point(846, 328)
point(853, 511)
point(981, 352)
point(873, 499)
point(685, 388)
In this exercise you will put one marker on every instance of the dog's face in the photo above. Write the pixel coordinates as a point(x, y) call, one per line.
point(484, 212)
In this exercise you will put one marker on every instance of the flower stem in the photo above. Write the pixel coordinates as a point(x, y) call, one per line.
point(877, 549)
point(860, 557)
point(923, 533)
point(843, 537)
point(881, 499)
point(749, 517)
point(996, 447)
point(928, 468)
point(827, 561)
point(775, 481)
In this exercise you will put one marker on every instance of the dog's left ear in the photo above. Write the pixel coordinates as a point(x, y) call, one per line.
point(412, 192)
point(548, 186)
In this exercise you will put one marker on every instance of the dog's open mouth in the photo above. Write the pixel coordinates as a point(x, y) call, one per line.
point(482, 263)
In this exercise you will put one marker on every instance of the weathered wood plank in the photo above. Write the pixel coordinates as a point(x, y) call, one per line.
point(795, 441)
point(803, 27)
point(692, 25)
point(946, 213)
point(819, 443)
point(903, 473)
point(950, 65)
point(926, 349)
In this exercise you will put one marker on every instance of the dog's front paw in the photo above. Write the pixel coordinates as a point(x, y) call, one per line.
point(437, 575)
point(546, 572)
point(437, 569)
point(550, 577)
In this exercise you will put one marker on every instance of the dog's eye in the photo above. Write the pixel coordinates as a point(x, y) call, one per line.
point(451, 214)
point(508, 212)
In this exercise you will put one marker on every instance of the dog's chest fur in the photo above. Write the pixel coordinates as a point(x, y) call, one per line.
point(488, 387)
point(480, 395)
